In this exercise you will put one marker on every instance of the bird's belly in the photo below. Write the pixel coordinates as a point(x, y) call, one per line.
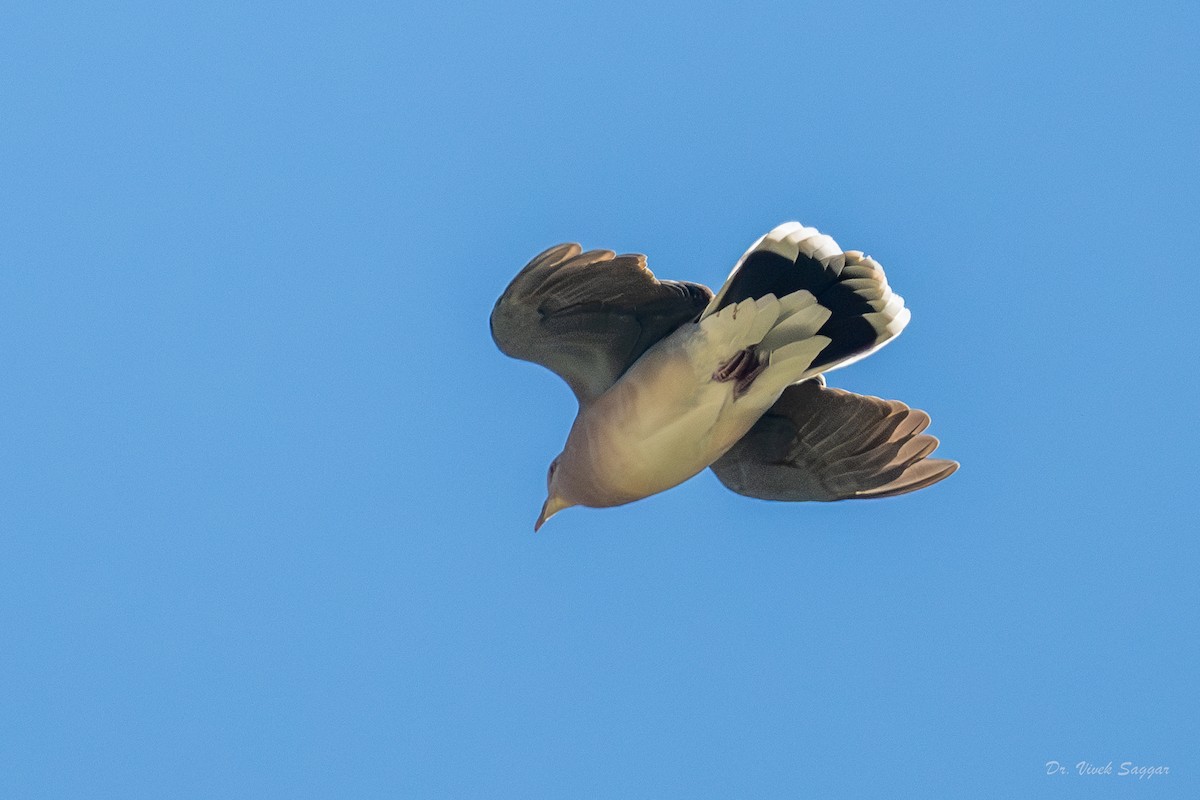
point(649, 435)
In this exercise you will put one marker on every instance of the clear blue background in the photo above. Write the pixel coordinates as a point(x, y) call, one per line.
point(267, 488)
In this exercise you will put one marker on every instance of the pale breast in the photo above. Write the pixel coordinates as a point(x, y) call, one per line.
point(662, 423)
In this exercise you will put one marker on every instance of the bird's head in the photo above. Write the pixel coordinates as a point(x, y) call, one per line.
point(556, 495)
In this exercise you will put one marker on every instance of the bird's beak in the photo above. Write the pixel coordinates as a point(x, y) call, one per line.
point(552, 506)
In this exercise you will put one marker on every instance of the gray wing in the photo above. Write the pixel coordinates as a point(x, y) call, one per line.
point(818, 443)
point(589, 316)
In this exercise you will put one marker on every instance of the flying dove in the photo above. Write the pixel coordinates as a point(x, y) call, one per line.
point(672, 379)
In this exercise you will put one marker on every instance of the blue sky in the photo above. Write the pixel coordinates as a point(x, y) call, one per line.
point(267, 488)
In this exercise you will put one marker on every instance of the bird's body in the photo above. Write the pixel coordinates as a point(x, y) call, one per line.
point(672, 380)
point(663, 422)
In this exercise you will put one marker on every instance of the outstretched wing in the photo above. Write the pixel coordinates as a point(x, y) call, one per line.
point(589, 316)
point(818, 443)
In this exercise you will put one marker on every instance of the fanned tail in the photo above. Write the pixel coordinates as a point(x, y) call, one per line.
point(835, 307)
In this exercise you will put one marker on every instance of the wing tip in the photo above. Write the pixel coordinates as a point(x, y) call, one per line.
point(920, 475)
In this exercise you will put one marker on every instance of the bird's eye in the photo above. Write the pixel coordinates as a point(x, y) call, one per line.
point(550, 472)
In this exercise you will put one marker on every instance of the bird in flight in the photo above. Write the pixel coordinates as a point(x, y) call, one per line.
point(671, 378)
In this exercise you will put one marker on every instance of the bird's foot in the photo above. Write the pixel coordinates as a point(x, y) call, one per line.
point(743, 368)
